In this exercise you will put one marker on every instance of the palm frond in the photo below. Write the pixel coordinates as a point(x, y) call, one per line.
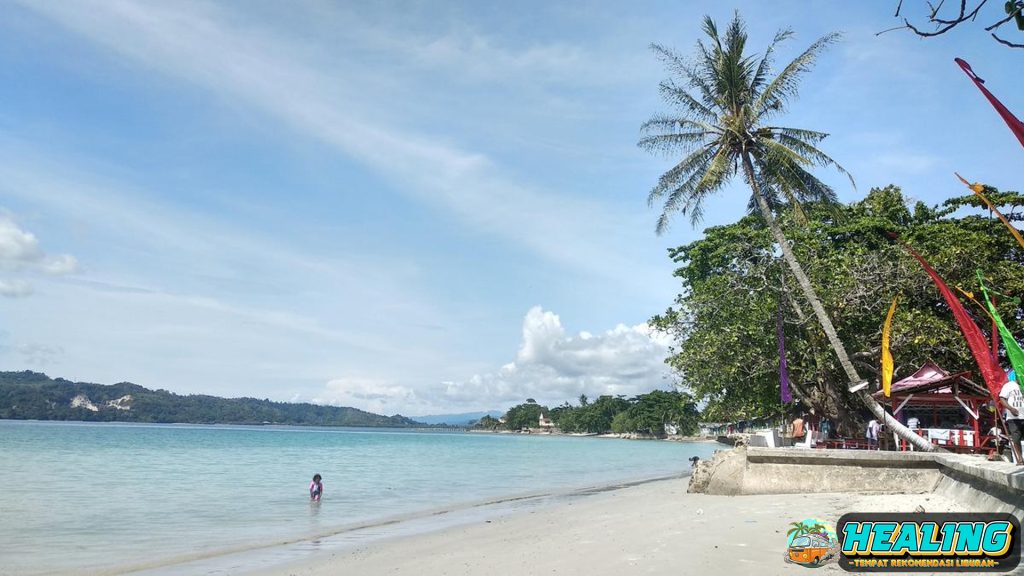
point(714, 178)
point(679, 174)
point(687, 102)
point(673, 141)
point(779, 195)
point(765, 65)
point(706, 176)
point(781, 170)
point(811, 136)
point(691, 74)
point(813, 154)
point(784, 87)
point(672, 61)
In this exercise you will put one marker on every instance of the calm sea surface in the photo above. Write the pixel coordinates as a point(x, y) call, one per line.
point(78, 497)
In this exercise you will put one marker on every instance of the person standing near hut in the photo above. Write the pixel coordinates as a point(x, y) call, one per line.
point(872, 434)
point(797, 429)
point(1013, 401)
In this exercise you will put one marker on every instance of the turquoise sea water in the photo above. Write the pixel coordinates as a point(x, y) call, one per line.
point(79, 497)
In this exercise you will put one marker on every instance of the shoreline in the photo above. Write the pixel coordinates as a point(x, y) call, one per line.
point(651, 527)
point(609, 435)
point(275, 558)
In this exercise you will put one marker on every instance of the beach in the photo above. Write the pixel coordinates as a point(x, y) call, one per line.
point(649, 528)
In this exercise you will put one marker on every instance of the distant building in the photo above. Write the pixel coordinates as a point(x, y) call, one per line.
point(712, 428)
point(546, 422)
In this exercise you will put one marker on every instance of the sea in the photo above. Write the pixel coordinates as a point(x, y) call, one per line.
point(110, 498)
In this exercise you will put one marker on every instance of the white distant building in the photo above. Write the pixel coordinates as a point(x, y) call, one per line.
point(546, 422)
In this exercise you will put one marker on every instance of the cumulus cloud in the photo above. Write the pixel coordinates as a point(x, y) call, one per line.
point(41, 355)
point(58, 265)
point(20, 252)
point(17, 245)
point(15, 288)
point(372, 395)
point(551, 366)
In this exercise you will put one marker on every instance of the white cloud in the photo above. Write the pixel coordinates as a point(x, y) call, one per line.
point(373, 395)
point(15, 288)
point(17, 245)
point(478, 56)
point(20, 252)
point(41, 355)
point(551, 366)
point(60, 265)
point(275, 74)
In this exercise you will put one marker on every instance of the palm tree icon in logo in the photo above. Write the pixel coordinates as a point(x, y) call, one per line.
point(810, 543)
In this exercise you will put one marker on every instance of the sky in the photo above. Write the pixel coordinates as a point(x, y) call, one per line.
point(406, 207)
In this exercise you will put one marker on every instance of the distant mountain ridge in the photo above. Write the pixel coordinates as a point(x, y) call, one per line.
point(462, 419)
point(31, 395)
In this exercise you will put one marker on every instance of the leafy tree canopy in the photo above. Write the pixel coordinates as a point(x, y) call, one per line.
point(733, 286)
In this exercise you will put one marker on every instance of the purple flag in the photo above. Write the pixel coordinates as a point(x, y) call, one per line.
point(783, 373)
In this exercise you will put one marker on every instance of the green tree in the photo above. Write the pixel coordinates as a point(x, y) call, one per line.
point(724, 130)
point(728, 296)
point(651, 413)
point(526, 415)
point(487, 422)
point(622, 424)
point(597, 416)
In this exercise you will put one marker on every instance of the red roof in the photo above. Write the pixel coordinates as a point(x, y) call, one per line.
point(933, 380)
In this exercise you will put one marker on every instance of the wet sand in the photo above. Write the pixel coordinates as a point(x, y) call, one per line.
point(652, 528)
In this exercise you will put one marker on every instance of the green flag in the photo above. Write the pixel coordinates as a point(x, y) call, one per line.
point(1013, 349)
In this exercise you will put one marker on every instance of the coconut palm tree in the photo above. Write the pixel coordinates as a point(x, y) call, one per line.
point(798, 529)
point(817, 529)
point(724, 102)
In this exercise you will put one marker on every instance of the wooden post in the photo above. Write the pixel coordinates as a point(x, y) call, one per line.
point(977, 426)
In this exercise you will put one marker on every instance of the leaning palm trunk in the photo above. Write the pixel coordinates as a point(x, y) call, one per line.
point(826, 323)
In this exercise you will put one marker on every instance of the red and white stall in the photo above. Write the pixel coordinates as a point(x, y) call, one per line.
point(947, 409)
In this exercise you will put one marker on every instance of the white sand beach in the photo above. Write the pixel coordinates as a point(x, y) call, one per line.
point(653, 528)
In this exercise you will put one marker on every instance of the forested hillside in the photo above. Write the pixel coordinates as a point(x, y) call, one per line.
point(33, 395)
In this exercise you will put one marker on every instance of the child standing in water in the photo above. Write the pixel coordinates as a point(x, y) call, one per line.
point(316, 488)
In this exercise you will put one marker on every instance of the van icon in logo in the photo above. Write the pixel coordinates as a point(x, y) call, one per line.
point(811, 542)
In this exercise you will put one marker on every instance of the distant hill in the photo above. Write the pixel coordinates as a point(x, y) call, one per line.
point(457, 419)
point(35, 396)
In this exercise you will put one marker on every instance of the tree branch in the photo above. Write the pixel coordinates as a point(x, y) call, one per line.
point(1006, 42)
point(944, 25)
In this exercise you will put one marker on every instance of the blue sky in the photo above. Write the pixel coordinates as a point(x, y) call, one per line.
point(401, 206)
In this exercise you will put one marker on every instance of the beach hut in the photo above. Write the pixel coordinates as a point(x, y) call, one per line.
point(945, 408)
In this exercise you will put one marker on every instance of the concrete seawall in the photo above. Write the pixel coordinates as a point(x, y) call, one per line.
point(973, 482)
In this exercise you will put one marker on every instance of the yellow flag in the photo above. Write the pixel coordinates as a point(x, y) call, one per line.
point(977, 188)
point(886, 354)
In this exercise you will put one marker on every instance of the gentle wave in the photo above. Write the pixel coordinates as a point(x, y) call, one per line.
point(103, 498)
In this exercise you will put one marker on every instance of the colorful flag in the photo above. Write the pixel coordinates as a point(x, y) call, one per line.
point(1013, 350)
point(977, 188)
point(886, 354)
point(783, 372)
point(988, 366)
point(1016, 126)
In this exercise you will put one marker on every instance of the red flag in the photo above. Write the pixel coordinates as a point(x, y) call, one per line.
point(1016, 126)
point(987, 364)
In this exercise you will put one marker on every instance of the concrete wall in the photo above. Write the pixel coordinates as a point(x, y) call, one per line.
point(971, 481)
